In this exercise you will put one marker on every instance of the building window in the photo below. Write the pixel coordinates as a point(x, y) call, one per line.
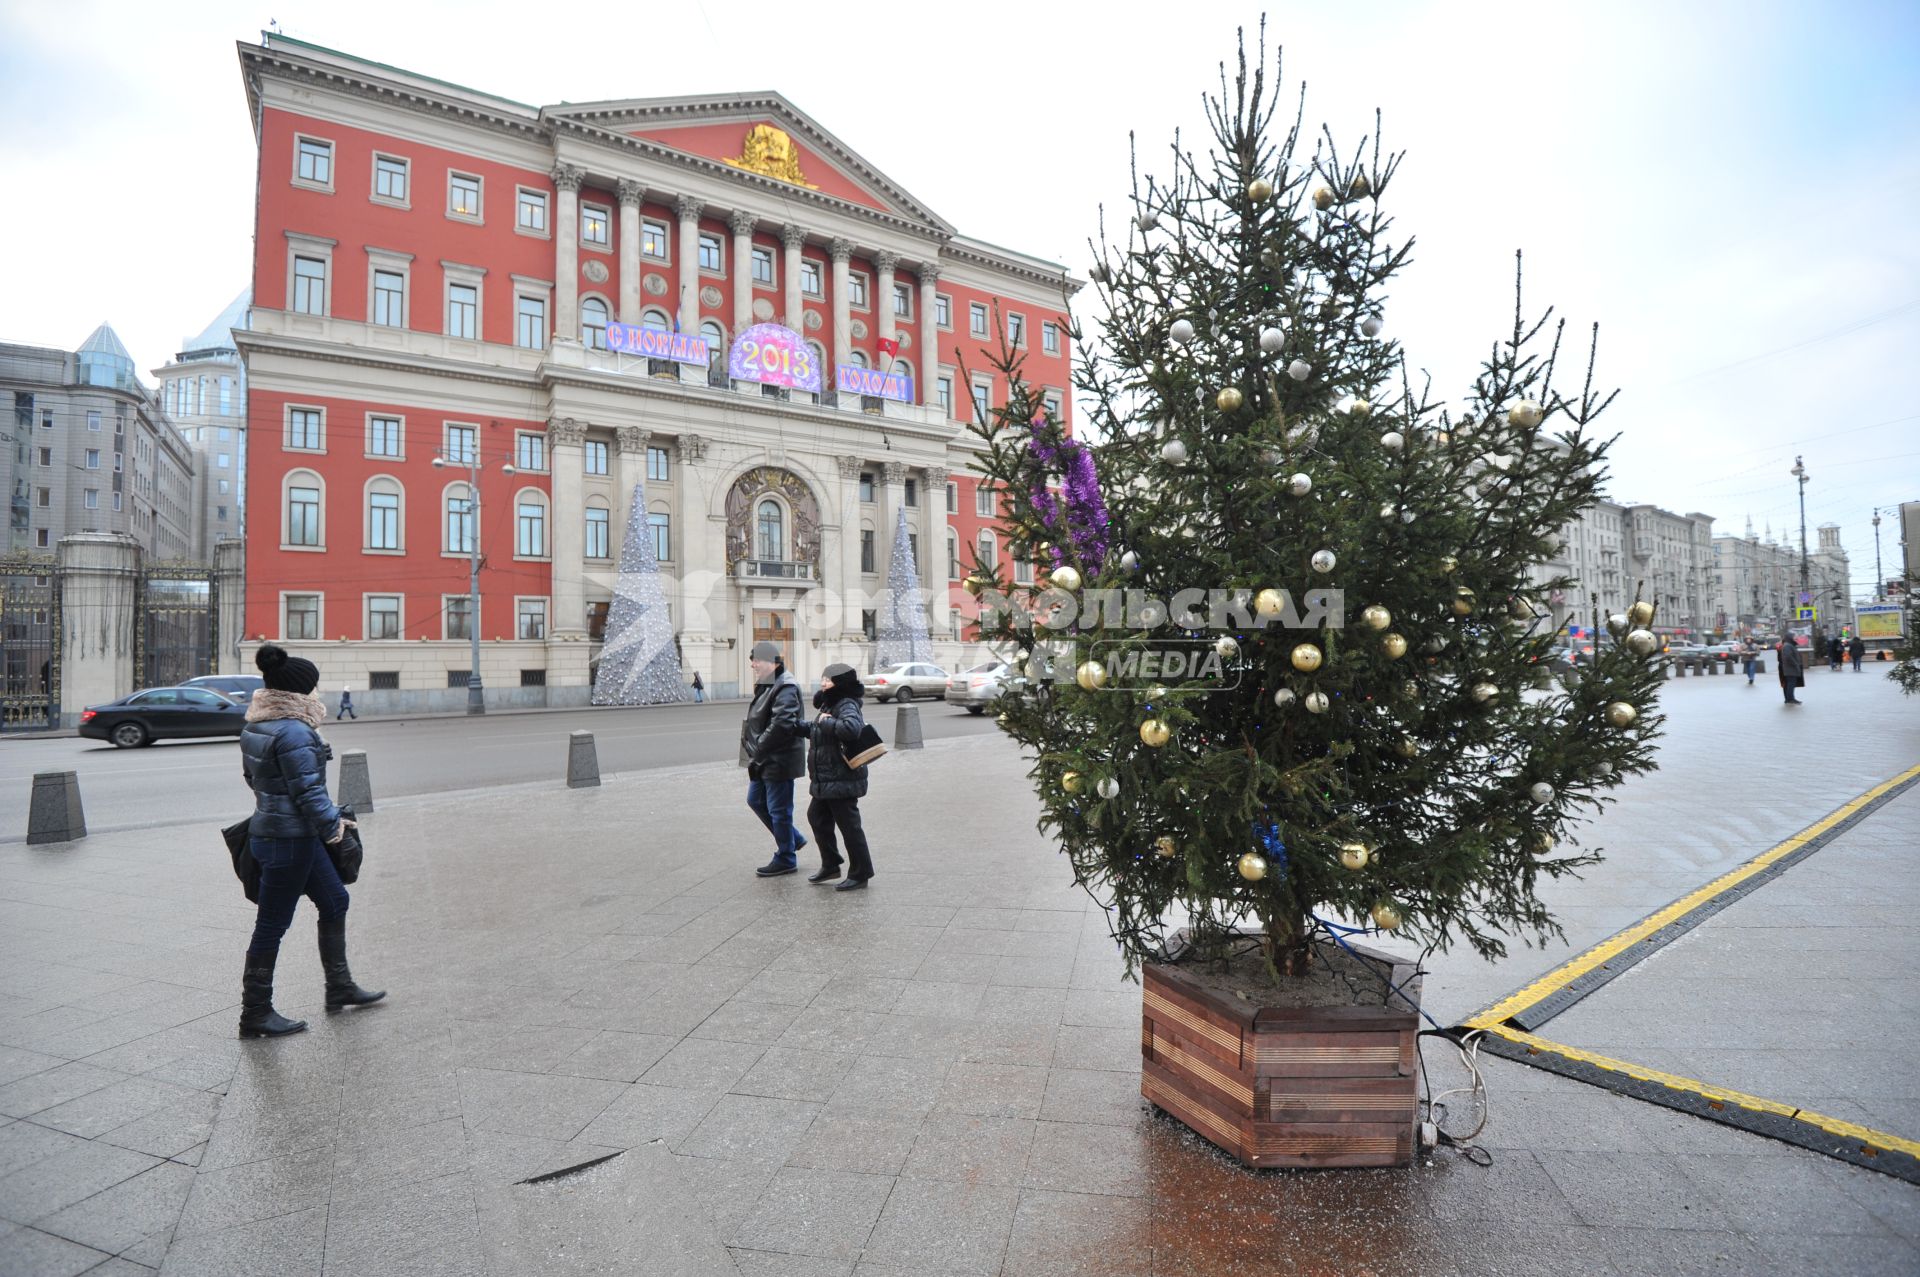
point(595, 229)
point(93, 420)
point(657, 470)
point(912, 492)
point(770, 523)
point(303, 616)
point(309, 286)
point(93, 458)
point(459, 522)
point(383, 520)
point(866, 486)
point(953, 555)
point(303, 516)
point(220, 513)
point(810, 278)
point(868, 623)
point(599, 533)
point(662, 529)
point(389, 299)
point(983, 502)
point(225, 487)
point(530, 530)
point(1023, 571)
point(226, 400)
point(1016, 330)
point(530, 451)
point(390, 179)
point(943, 310)
point(866, 549)
point(903, 301)
point(463, 311)
point(530, 211)
point(857, 290)
point(43, 538)
point(596, 456)
point(654, 241)
point(530, 618)
point(457, 617)
point(982, 400)
point(977, 319)
point(304, 429)
point(953, 498)
point(46, 457)
point(463, 196)
point(943, 393)
point(383, 438)
point(383, 616)
point(221, 460)
point(315, 162)
point(593, 323)
point(116, 500)
point(711, 256)
point(763, 266)
point(987, 549)
point(1051, 402)
point(1050, 338)
point(461, 446)
point(530, 323)
point(92, 498)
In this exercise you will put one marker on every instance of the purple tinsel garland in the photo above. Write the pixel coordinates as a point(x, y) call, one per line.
point(1086, 510)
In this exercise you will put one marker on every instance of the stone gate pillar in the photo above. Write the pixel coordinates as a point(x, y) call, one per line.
point(230, 587)
point(98, 575)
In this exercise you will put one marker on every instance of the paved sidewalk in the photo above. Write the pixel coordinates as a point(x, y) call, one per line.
point(939, 1075)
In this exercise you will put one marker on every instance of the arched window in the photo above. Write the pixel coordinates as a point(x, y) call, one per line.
point(953, 555)
point(530, 524)
point(770, 523)
point(593, 323)
point(457, 503)
point(988, 549)
point(716, 353)
point(826, 376)
point(858, 358)
point(303, 498)
point(385, 515)
point(656, 320)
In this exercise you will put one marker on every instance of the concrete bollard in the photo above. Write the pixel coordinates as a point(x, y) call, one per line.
point(55, 815)
point(356, 787)
point(906, 728)
point(583, 763)
point(1760, 665)
point(1713, 666)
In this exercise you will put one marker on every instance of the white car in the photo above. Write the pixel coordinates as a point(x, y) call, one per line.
point(978, 687)
point(906, 681)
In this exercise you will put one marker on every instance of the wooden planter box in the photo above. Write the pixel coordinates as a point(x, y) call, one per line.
point(1323, 1086)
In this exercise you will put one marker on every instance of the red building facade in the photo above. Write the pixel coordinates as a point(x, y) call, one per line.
point(436, 274)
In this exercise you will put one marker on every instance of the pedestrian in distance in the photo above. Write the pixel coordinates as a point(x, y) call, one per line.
point(1834, 649)
point(699, 688)
point(1791, 676)
point(1748, 657)
point(836, 785)
point(285, 762)
point(1857, 648)
point(775, 736)
point(346, 702)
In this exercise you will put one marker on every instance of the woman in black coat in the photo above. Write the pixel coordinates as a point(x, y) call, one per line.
point(285, 763)
point(1790, 667)
point(836, 787)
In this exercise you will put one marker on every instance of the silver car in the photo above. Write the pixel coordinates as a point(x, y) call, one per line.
point(978, 687)
point(906, 681)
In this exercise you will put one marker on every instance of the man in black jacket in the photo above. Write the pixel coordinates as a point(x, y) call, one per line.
point(776, 742)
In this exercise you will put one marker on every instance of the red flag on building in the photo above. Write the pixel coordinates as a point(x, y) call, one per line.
point(888, 346)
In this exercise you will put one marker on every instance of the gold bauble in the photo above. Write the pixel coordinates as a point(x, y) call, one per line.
point(1323, 198)
point(1163, 847)
point(1526, 414)
point(974, 585)
point(1642, 642)
point(1002, 719)
point(1360, 186)
point(1520, 608)
point(1621, 714)
point(1229, 399)
point(1354, 855)
point(1306, 658)
point(1376, 616)
point(1463, 601)
point(1253, 866)
point(1154, 733)
point(1540, 843)
point(1269, 603)
point(1070, 781)
point(1386, 916)
point(1259, 189)
point(1407, 747)
point(1359, 408)
point(1091, 676)
point(1410, 690)
point(1066, 577)
point(1394, 645)
point(1449, 565)
point(1485, 693)
point(1316, 702)
point(1641, 613)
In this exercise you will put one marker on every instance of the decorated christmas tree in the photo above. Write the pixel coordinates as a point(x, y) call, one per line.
point(1347, 722)
point(900, 629)
point(638, 664)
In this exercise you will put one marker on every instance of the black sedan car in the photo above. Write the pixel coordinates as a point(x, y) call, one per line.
point(161, 713)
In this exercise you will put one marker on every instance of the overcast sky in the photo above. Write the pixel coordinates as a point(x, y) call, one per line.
point(1732, 190)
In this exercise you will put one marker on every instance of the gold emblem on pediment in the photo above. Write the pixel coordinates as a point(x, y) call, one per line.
point(769, 152)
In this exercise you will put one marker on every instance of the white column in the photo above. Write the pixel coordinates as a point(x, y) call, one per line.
point(842, 251)
point(928, 360)
point(687, 209)
point(630, 195)
point(566, 319)
point(742, 223)
point(793, 239)
point(568, 543)
point(933, 549)
point(694, 549)
point(851, 587)
point(883, 295)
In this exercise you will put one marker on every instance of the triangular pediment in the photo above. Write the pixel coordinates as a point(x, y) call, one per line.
point(760, 134)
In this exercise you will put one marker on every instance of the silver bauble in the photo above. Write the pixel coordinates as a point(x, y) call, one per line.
point(1284, 697)
point(1485, 693)
point(1147, 219)
point(1316, 702)
point(1182, 331)
point(1323, 561)
point(1129, 562)
point(1299, 485)
point(1371, 326)
point(1393, 441)
point(1173, 452)
point(1541, 792)
point(1617, 624)
point(1227, 647)
point(1273, 340)
point(1299, 370)
point(1108, 787)
point(1642, 642)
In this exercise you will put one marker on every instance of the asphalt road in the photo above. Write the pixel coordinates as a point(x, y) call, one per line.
point(178, 780)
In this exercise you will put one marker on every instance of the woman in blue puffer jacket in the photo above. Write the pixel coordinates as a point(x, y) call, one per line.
point(285, 763)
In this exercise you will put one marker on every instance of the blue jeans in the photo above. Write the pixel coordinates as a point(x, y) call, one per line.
point(291, 868)
point(699, 695)
point(772, 801)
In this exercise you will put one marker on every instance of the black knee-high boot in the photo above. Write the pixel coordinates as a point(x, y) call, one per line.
point(341, 990)
point(258, 1019)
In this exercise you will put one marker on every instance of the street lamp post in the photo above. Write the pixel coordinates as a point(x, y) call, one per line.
point(476, 688)
point(1799, 472)
point(1877, 578)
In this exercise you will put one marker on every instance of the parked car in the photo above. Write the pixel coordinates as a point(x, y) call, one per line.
point(237, 687)
point(162, 713)
point(905, 681)
point(978, 687)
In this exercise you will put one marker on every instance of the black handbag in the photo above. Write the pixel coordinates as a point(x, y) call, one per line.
point(348, 852)
point(245, 867)
point(867, 748)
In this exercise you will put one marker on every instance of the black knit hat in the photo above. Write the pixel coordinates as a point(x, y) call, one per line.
point(843, 676)
point(284, 673)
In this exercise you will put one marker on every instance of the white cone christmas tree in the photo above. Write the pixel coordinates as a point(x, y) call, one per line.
point(900, 629)
point(639, 664)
